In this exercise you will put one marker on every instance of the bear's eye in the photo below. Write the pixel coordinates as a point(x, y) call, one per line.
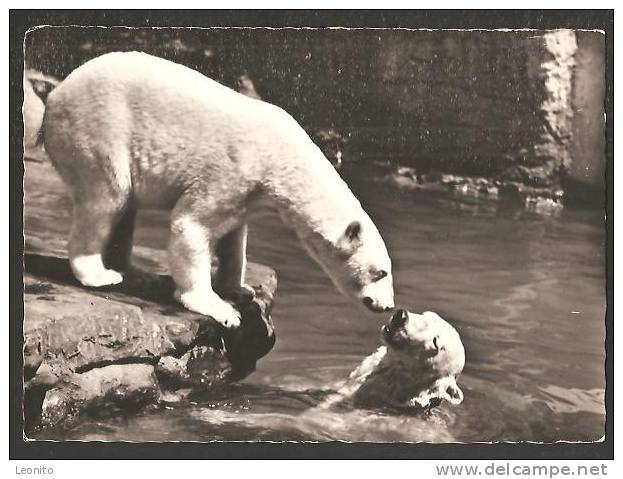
point(379, 275)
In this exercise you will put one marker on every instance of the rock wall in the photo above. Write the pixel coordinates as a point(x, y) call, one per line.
point(498, 104)
point(586, 173)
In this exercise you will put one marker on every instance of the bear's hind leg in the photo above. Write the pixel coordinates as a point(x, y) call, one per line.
point(232, 263)
point(94, 219)
point(190, 262)
point(119, 249)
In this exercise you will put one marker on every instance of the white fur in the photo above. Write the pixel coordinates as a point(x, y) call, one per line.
point(90, 271)
point(131, 128)
point(411, 370)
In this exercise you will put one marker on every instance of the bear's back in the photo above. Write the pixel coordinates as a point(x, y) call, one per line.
point(143, 80)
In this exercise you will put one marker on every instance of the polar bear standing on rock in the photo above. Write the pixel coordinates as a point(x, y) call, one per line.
point(127, 130)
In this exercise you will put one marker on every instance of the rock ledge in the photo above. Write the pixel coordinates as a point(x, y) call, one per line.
point(128, 345)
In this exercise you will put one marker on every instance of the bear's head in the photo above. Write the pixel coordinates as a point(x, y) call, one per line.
point(358, 264)
point(424, 350)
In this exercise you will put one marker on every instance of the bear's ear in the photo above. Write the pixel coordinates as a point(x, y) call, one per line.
point(353, 231)
point(451, 392)
point(350, 239)
point(42, 88)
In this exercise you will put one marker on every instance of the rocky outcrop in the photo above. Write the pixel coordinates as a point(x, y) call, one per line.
point(124, 346)
point(544, 199)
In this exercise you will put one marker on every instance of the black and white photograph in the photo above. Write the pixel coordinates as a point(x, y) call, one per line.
point(304, 234)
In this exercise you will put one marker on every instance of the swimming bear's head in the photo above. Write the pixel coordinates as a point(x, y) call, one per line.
point(425, 349)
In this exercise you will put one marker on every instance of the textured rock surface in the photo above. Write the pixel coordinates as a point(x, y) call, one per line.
point(588, 143)
point(544, 197)
point(119, 347)
point(136, 322)
point(117, 387)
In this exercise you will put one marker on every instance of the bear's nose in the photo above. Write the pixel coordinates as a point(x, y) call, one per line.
point(399, 319)
point(374, 306)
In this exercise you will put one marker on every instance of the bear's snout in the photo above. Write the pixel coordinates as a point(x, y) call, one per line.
point(375, 306)
point(399, 319)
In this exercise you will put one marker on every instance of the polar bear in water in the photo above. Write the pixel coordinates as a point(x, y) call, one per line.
point(417, 367)
point(414, 371)
point(127, 130)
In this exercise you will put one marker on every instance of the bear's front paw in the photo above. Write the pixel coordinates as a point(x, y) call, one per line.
point(210, 305)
